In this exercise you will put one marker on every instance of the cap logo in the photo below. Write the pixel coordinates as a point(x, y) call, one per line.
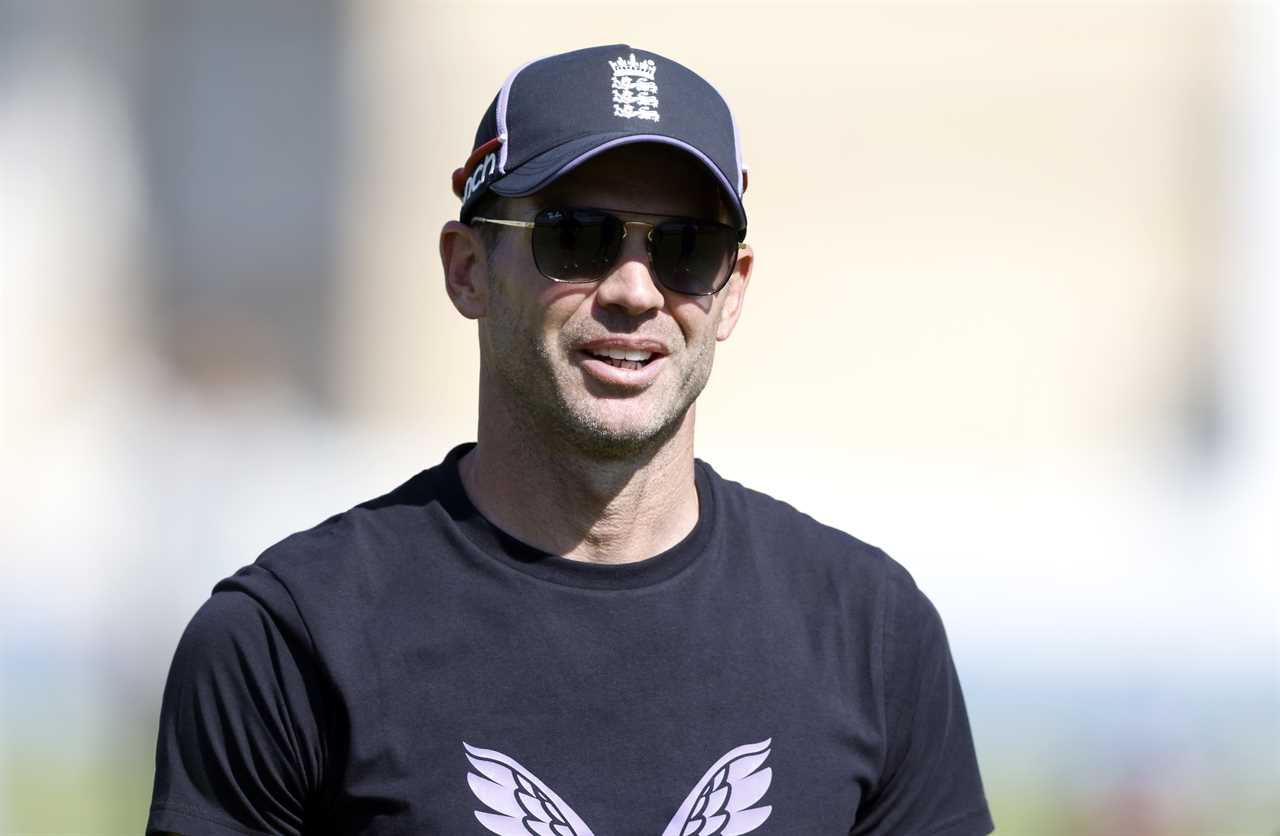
point(635, 93)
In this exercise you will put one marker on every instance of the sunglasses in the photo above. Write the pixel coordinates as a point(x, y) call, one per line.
point(686, 255)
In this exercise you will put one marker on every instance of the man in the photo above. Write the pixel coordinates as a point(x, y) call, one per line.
point(572, 626)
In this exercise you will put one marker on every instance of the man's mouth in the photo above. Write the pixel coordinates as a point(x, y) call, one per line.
point(623, 359)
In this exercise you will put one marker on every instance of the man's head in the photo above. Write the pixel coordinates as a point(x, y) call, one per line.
point(545, 344)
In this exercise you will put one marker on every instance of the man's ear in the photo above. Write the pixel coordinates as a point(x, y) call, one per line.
point(735, 292)
point(466, 269)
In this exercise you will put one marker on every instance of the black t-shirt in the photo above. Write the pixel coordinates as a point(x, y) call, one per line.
point(408, 668)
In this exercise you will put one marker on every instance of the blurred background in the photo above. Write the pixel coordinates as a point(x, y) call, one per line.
point(1015, 319)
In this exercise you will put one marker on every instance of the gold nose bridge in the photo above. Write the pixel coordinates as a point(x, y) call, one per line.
point(648, 235)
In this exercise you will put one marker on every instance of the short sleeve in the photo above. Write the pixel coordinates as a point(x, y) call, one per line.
point(930, 784)
point(240, 745)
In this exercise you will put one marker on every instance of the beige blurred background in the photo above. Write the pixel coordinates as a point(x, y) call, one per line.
point(1014, 319)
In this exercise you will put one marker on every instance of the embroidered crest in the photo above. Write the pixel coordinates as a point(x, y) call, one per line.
point(635, 93)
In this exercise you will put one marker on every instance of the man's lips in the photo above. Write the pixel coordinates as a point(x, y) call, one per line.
point(626, 353)
point(623, 362)
point(606, 344)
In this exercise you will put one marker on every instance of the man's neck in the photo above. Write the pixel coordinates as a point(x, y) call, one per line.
point(583, 508)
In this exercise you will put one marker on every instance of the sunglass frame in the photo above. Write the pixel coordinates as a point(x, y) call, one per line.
point(719, 285)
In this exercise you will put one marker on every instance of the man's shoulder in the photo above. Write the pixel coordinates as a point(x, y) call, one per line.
point(383, 520)
point(365, 544)
point(760, 518)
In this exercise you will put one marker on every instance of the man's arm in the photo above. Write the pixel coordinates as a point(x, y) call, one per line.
point(930, 782)
point(239, 746)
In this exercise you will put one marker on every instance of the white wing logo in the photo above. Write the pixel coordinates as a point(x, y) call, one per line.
point(719, 804)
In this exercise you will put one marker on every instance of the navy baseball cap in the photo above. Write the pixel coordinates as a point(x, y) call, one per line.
point(554, 113)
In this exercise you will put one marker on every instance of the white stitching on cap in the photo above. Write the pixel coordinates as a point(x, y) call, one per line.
point(737, 139)
point(503, 95)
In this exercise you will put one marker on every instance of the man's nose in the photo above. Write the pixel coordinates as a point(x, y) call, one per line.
point(631, 285)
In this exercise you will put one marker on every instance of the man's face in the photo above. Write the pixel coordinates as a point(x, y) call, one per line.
point(543, 342)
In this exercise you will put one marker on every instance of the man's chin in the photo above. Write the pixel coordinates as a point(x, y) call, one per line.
point(610, 436)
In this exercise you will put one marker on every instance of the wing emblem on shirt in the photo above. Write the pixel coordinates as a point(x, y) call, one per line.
point(720, 804)
point(522, 804)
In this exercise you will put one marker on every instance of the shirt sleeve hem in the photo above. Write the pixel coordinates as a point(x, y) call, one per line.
point(171, 818)
point(973, 823)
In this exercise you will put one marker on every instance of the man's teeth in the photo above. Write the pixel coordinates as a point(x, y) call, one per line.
point(623, 358)
point(624, 354)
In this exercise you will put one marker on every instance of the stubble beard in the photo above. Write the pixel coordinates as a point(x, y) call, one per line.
point(545, 394)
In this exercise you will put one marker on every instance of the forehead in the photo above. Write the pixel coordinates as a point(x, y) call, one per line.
point(641, 177)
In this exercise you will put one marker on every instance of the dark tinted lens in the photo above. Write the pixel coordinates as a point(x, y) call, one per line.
point(575, 245)
point(692, 257)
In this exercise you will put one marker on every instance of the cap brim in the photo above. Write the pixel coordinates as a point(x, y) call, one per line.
point(539, 171)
